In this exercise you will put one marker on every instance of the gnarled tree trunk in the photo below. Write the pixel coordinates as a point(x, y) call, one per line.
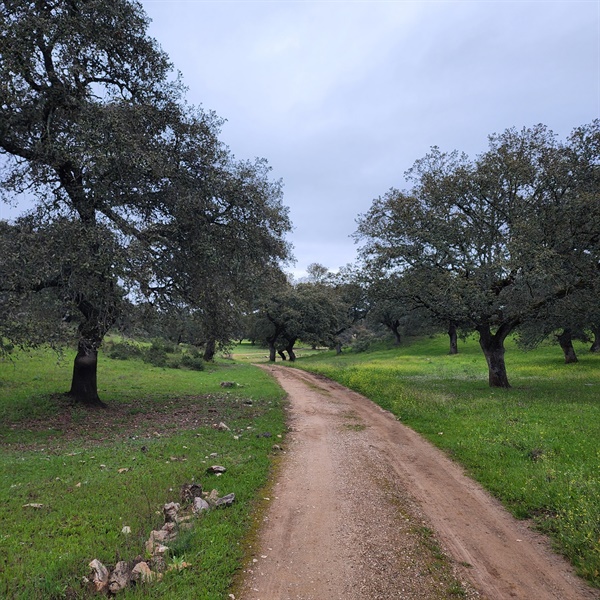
point(493, 350)
point(272, 350)
point(84, 383)
point(209, 350)
point(282, 354)
point(394, 327)
point(565, 339)
point(290, 350)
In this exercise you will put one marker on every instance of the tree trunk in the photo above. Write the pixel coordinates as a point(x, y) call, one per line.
point(281, 353)
point(84, 384)
point(595, 347)
point(290, 350)
point(565, 339)
point(393, 327)
point(453, 338)
point(338, 348)
point(272, 351)
point(209, 350)
point(493, 350)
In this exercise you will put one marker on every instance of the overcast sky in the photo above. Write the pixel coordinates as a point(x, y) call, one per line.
point(341, 97)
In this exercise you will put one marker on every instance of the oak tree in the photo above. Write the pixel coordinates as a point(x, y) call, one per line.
point(489, 242)
point(133, 188)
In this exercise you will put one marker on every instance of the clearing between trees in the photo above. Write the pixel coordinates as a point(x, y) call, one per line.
point(363, 507)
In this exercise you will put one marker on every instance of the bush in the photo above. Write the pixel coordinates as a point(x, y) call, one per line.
point(194, 363)
point(164, 345)
point(123, 350)
point(155, 356)
point(363, 341)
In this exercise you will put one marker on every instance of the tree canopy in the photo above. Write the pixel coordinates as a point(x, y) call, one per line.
point(489, 242)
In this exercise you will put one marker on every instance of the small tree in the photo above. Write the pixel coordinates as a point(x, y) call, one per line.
point(305, 311)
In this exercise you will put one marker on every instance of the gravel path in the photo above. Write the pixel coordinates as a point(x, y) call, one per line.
point(363, 508)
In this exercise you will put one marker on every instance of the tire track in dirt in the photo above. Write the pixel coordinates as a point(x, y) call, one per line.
point(355, 490)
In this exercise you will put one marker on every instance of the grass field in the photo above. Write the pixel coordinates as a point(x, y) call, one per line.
point(90, 473)
point(535, 446)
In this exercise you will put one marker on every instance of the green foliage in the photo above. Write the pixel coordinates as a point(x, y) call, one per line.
point(156, 355)
point(491, 243)
point(533, 446)
point(136, 196)
point(160, 429)
point(123, 350)
point(194, 363)
point(160, 353)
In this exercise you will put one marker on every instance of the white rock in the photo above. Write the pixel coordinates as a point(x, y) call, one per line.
point(99, 575)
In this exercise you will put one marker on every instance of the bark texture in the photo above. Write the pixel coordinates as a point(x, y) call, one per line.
point(565, 339)
point(452, 334)
point(492, 346)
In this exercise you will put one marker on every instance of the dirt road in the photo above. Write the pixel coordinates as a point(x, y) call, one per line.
point(365, 509)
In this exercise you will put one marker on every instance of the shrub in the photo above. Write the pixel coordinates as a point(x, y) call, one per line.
point(155, 356)
point(164, 345)
point(194, 363)
point(123, 350)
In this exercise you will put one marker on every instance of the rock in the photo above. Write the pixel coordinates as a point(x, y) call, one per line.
point(159, 563)
point(213, 497)
point(276, 447)
point(170, 511)
point(99, 575)
point(189, 491)
point(126, 530)
point(170, 529)
point(222, 427)
point(160, 537)
point(142, 572)
point(216, 469)
point(227, 500)
point(119, 578)
point(228, 384)
point(200, 504)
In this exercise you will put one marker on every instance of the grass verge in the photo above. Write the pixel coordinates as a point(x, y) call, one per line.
point(534, 446)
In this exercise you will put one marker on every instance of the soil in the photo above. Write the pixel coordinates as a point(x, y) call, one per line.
point(364, 508)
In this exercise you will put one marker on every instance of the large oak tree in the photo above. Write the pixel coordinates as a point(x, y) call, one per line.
point(134, 193)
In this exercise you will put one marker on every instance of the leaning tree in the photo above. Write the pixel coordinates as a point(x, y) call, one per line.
point(489, 242)
point(134, 193)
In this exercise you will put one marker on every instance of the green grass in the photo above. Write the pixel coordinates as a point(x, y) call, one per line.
point(158, 427)
point(535, 446)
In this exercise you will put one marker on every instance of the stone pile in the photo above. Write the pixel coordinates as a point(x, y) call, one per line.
point(194, 501)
